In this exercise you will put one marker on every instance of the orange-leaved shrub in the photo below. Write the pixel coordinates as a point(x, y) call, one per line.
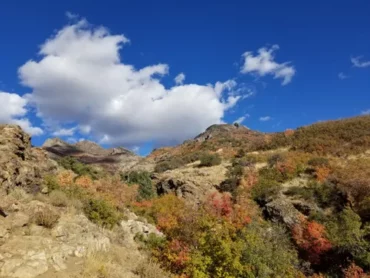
point(354, 271)
point(310, 237)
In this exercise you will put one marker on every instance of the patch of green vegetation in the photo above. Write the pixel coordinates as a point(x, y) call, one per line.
point(163, 166)
point(71, 163)
point(51, 182)
point(324, 194)
point(348, 236)
point(268, 185)
point(208, 160)
point(101, 213)
point(318, 162)
point(142, 178)
point(177, 162)
point(245, 161)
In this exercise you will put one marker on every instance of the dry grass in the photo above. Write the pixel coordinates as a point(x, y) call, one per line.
point(41, 197)
point(19, 194)
point(118, 262)
point(46, 217)
point(58, 198)
point(100, 265)
point(151, 269)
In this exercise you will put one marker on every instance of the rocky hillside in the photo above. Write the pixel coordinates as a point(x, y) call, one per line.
point(229, 203)
point(51, 228)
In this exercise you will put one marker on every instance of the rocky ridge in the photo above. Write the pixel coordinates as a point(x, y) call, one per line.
point(70, 245)
point(88, 152)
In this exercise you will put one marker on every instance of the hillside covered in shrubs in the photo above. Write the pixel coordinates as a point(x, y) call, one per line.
point(290, 204)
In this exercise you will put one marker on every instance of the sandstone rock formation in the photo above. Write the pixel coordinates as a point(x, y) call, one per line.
point(21, 165)
point(191, 182)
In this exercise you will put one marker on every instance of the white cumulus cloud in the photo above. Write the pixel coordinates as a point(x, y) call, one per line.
point(13, 111)
point(81, 80)
point(264, 63)
point(180, 78)
point(265, 119)
point(64, 132)
point(358, 62)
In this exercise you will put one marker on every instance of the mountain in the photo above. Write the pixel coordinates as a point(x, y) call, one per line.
point(89, 152)
point(225, 138)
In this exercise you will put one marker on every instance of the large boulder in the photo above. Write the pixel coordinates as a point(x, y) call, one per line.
point(20, 164)
point(281, 210)
point(191, 182)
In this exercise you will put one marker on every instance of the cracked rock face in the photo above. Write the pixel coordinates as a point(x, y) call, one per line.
point(20, 164)
point(191, 183)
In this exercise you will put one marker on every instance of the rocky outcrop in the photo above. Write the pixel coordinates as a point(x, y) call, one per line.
point(280, 210)
point(289, 210)
point(133, 226)
point(20, 164)
point(28, 250)
point(192, 183)
point(221, 130)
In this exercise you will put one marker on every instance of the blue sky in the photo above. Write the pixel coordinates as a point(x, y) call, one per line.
point(306, 75)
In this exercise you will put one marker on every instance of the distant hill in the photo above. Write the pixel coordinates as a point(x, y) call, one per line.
point(338, 137)
point(89, 152)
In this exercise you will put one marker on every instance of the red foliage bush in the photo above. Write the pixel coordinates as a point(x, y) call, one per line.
point(311, 239)
point(220, 204)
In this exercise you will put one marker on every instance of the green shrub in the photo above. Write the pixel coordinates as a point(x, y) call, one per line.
point(162, 167)
point(101, 213)
point(208, 160)
point(265, 189)
point(76, 192)
point(236, 171)
point(348, 235)
point(324, 194)
point(170, 164)
point(51, 182)
point(230, 185)
point(71, 163)
point(271, 174)
point(192, 157)
point(302, 192)
point(327, 194)
point(146, 190)
point(268, 252)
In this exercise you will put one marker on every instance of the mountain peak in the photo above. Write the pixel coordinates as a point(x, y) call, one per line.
point(54, 142)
